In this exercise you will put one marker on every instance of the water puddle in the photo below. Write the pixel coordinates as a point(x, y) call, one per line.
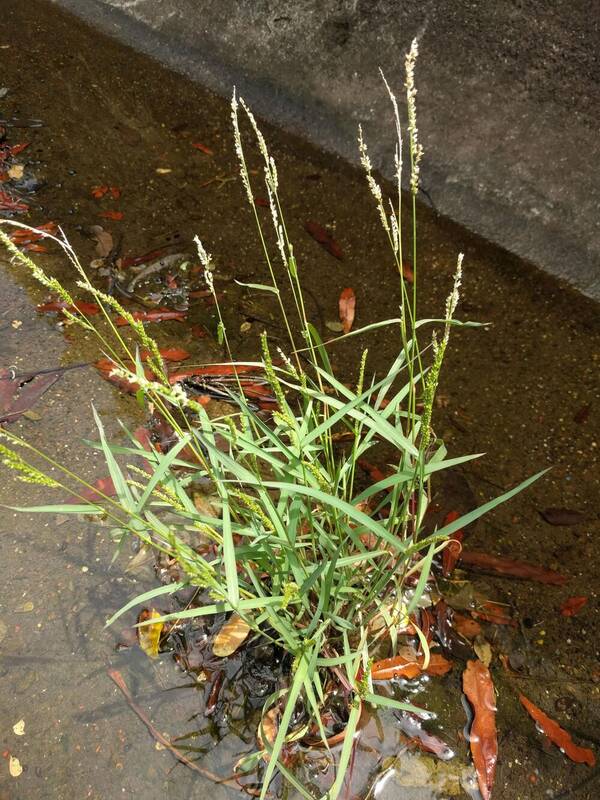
point(524, 391)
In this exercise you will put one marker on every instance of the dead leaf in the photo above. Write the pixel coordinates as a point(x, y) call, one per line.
point(557, 735)
point(466, 626)
point(324, 238)
point(149, 635)
point(451, 552)
point(24, 608)
point(99, 191)
point(163, 170)
point(14, 767)
point(104, 240)
point(267, 731)
point(203, 148)
point(336, 327)
point(582, 415)
point(16, 172)
point(483, 650)
point(19, 728)
point(562, 516)
point(407, 273)
point(204, 505)
point(116, 215)
point(347, 306)
point(479, 689)
point(508, 566)
point(573, 606)
point(143, 556)
point(233, 633)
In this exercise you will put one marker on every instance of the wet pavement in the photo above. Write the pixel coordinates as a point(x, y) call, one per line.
point(516, 391)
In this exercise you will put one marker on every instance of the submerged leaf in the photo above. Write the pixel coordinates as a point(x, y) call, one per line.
point(231, 636)
point(572, 606)
point(514, 569)
point(149, 635)
point(557, 735)
point(479, 689)
point(324, 238)
point(562, 516)
point(408, 665)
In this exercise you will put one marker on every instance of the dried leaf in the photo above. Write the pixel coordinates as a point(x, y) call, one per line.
point(116, 215)
point(324, 238)
point(451, 552)
point(267, 730)
point(495, 613)
point(335, 327)
point(14, 767)
point(143, 556)
point(509, 567)
point(104, 241)
point(557, 735)
point(99, 191)
point(19, 728)
point(156, 315)
point(203, 148)
point(483, 650)
point(573, 606)
point(407, 273)
point(16, 172)
point(149, 635)
point(562, 516)
point(582, 415)
point(466, 626)
point(95, 492)
point(115, 192)
point(408, 665)
point(479, 689)
point(347, 305)
point(233, 633)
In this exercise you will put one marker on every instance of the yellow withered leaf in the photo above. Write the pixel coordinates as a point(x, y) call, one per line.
point(231, 636)
point(14, 767)
point(149, 635)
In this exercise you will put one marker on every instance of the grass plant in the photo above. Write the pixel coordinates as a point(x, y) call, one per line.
point(315, 563)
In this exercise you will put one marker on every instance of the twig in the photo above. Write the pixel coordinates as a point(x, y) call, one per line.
point(117, 679)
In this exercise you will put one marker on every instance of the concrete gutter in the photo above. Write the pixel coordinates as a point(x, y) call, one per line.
point(509, 98)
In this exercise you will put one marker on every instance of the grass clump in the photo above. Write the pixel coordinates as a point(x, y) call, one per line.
point(326, 570)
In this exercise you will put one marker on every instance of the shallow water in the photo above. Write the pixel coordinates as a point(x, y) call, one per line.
point(513, 390)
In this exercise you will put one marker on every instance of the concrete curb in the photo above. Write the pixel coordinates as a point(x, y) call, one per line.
point(508, 98)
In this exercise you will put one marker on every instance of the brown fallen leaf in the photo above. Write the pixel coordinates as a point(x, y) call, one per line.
point(104, 240)
point(233, 633)
point(582, 415)
point(267, 731)
point(514, 569)
point(407, 273)
point(572, 606)
point(562, 516)
point(557, 735)
point(479, 689)
point(324, 238)
point(466, 626)
point(347, 306)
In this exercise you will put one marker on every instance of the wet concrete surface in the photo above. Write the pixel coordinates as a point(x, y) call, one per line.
point(508, 102)
point(515, 391)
